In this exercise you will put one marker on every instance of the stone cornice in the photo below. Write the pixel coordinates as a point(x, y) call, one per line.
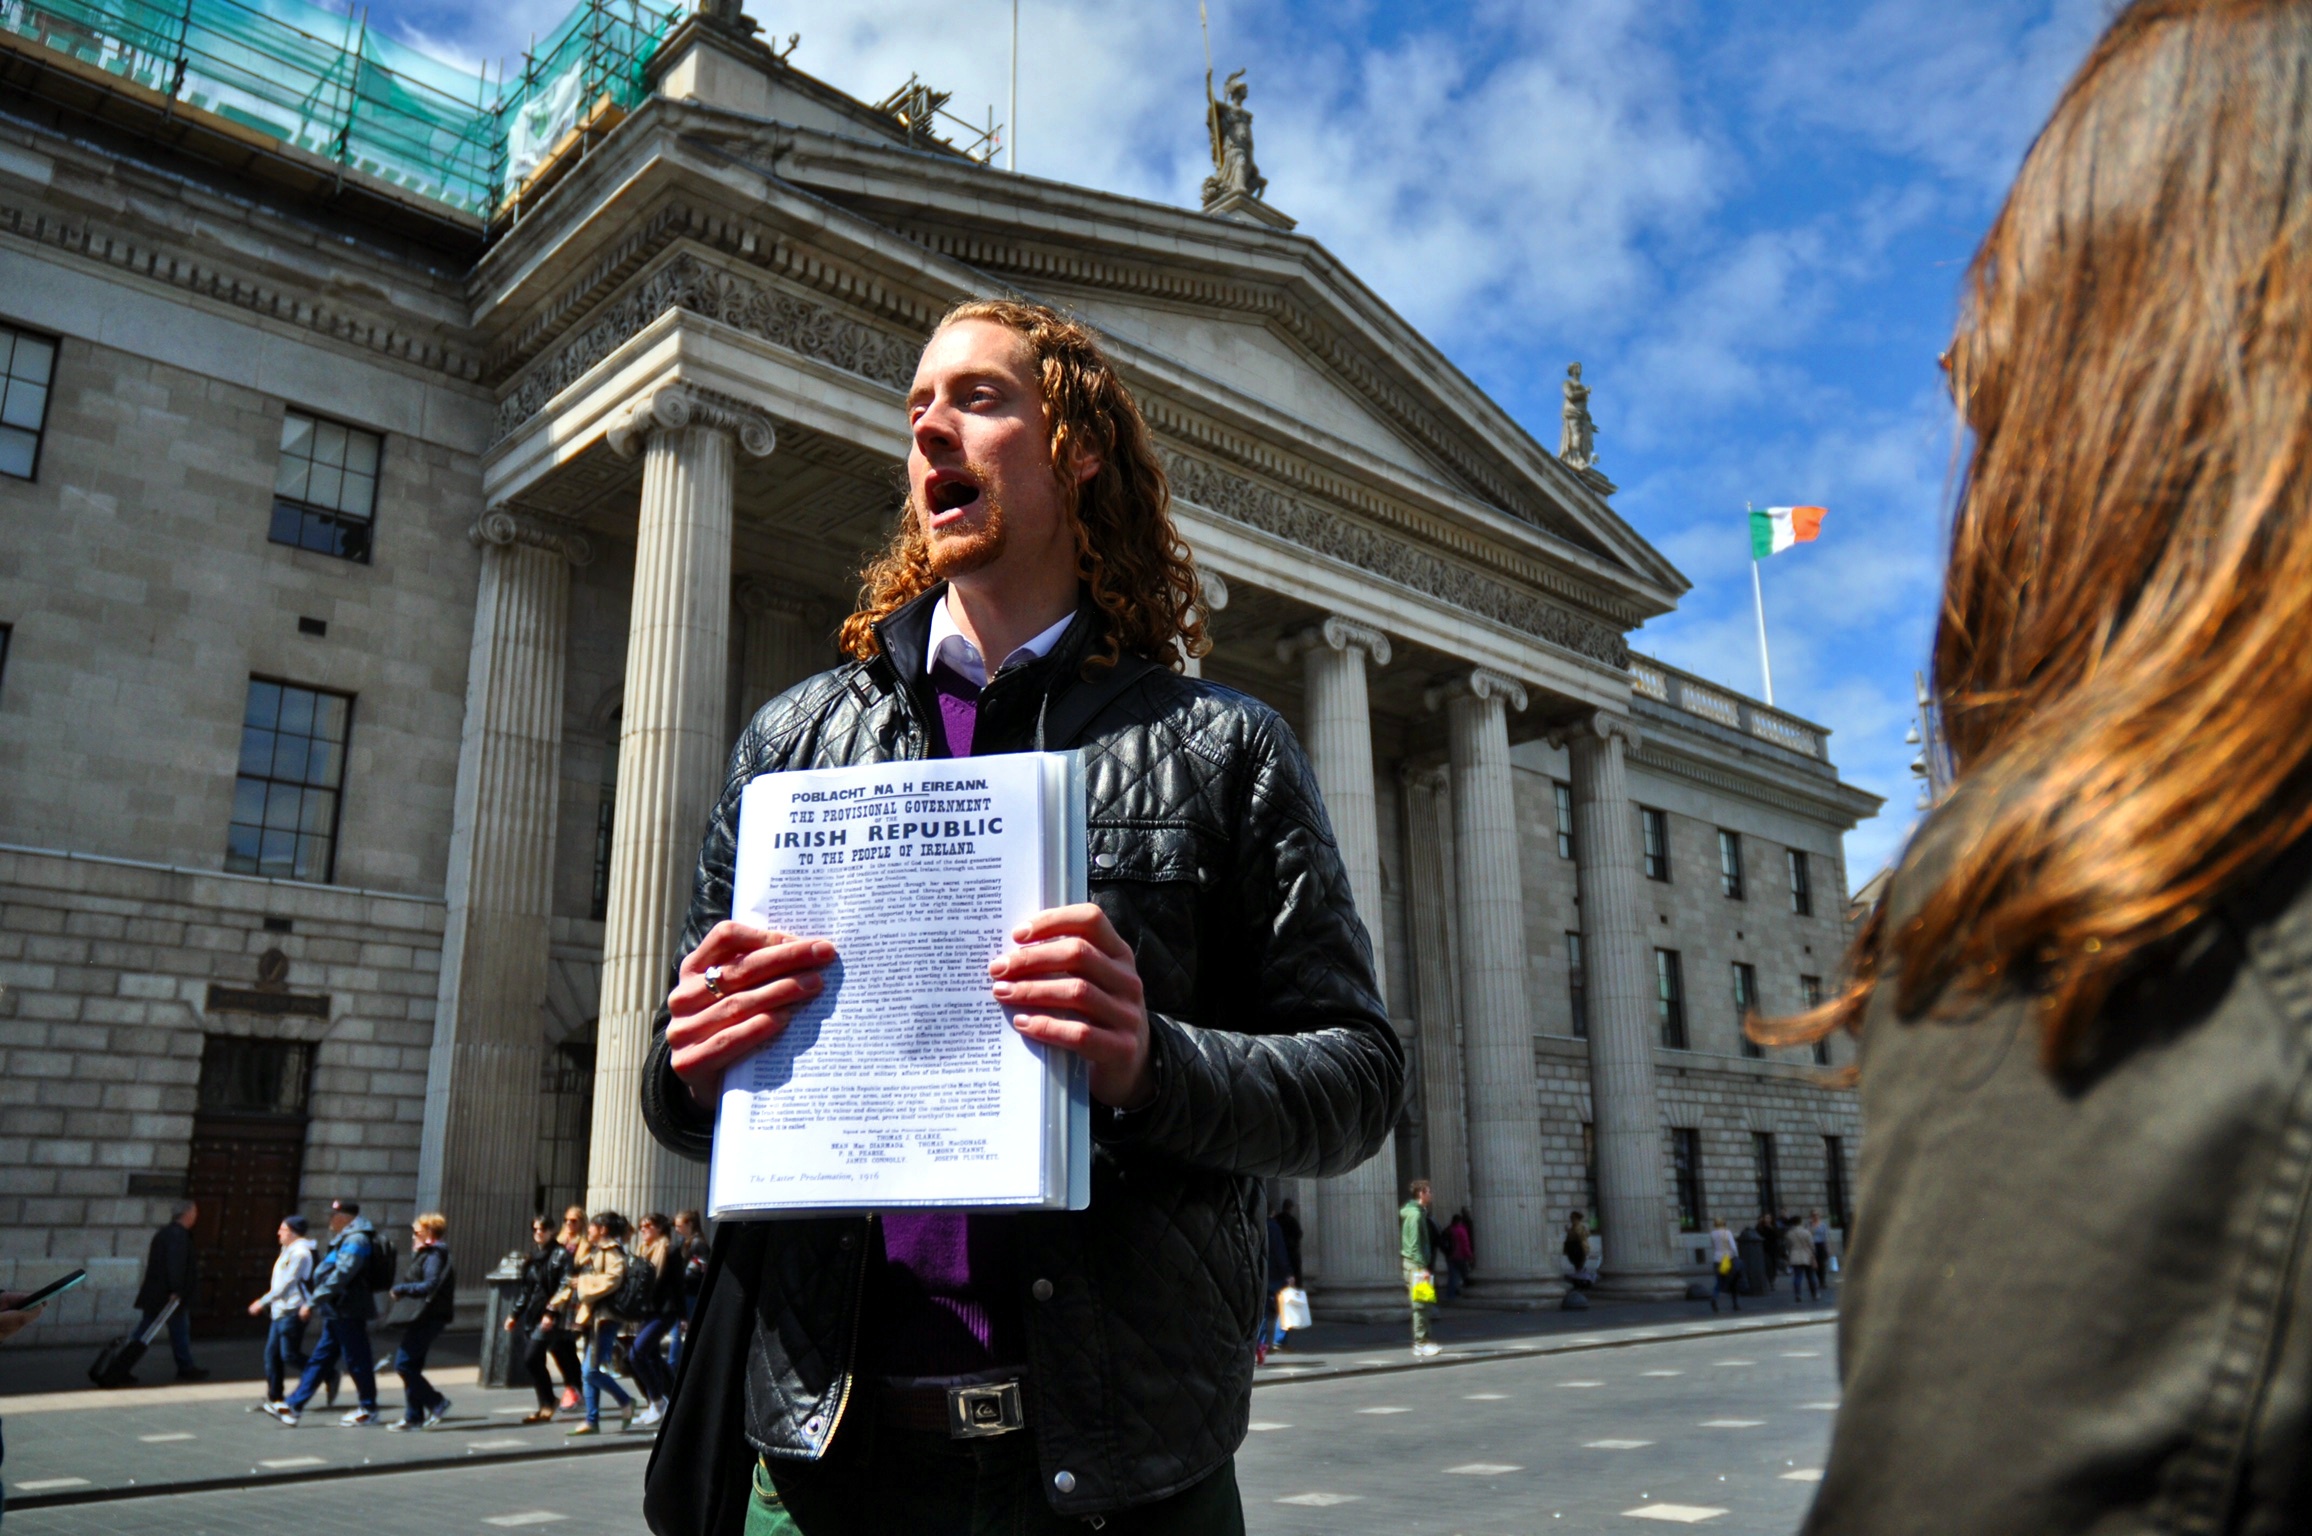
point(507, 526)
point(688, 283)
point(1176, 422)
point(1835, 801)
point(1328, 532)
point(674, 407)
point(153, 260)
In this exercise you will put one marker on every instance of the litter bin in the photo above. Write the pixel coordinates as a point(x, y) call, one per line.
point(1753, 1250)
point(502, 1351)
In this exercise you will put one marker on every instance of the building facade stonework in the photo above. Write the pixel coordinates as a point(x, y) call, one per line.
point(389, 584)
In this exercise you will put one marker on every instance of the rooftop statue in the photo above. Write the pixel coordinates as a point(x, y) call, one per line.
point(1233, 171)
point(1577, 443)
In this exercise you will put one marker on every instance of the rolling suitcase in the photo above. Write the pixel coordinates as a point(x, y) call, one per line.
point(116, 1363)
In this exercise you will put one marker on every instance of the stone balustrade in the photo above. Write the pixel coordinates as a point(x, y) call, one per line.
point(1664, 684)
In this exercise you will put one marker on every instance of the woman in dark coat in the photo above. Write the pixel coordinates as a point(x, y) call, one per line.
point(545, 1268)
point(2080, 1294)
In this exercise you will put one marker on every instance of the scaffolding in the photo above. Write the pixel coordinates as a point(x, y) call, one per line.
point(330, 84)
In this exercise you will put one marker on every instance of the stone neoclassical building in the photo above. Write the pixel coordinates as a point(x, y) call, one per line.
point(389, 555)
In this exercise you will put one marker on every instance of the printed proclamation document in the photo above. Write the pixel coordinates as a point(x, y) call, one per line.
point(903, 1084)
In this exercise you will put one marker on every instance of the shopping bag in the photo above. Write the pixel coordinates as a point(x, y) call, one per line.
point(1424, 1287)
point(1292, 1308)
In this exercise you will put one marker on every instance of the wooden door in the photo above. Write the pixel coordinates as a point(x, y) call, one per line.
point(244, 1175)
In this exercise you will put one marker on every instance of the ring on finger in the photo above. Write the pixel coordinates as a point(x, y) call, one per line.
point(713, 979)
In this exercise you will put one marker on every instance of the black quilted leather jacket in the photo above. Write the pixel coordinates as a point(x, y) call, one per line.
point(1212, 855)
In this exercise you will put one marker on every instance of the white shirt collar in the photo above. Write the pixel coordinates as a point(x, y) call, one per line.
point(949, 643)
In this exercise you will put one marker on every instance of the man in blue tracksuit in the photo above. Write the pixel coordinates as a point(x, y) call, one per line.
point(342, 1296)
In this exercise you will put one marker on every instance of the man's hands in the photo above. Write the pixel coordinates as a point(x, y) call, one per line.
point(14, 1315)
point(256, 1307)
point(764, 978)
point(1073, 983)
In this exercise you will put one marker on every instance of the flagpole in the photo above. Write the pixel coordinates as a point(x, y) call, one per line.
point(1011, 130)
point(1758, 596)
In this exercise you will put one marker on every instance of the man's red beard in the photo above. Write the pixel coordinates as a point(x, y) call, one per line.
point(963, 548)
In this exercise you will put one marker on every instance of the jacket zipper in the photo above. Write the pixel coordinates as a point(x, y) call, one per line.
point(851, 1352)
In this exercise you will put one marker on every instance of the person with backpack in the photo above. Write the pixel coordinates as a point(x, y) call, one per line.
point(344, 1293)
point(589, 1304)
point(545, 1268)
point(432, 1283)
point(658, 1250)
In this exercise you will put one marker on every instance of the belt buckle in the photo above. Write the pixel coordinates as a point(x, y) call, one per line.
point(975, 1413)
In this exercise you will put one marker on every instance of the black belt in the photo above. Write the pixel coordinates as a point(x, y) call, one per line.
point(970, 1412)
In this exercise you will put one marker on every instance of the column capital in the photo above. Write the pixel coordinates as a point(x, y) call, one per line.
point(671, 407)
point(1336, 634)
point(507, 526)
point(759, 598)
point(1477, 683)
point(1604, 724)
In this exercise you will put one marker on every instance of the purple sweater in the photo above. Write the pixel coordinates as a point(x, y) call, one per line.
point(944, 1302)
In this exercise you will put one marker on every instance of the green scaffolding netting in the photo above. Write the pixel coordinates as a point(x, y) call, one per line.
point(332, 84)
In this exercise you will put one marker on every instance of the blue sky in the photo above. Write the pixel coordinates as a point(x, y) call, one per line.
point(1747, 221)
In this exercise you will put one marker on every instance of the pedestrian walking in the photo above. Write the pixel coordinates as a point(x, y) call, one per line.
point(432, 1283)
point(1277, 1266)
point(1579, 1269)
point(573, 1233)
point(1035, 594)
point(1725, 1265)
point(172, 1273)
point(1460, 1252)
point(2082, 1000)
point(690, 1239)
point(583, 1305)
point(292, 1288)
point(1288, 1221)
point(1798, 1248)
point(1770, 1250)
point(545, 1269)
point(344, 1294)
point(655, 1246)
point(1417, 1257)
point(1819, 1231)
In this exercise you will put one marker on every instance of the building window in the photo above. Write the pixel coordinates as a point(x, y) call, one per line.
point(1810, 996)
point(244, 1076)
point(1730, 863)
point(1834, 1161)
point(1656, 827)
point(1573, 983)
point(292, 775)
point(1686, 1166)
point(1762, 1162)
point(605, 815)
point(1564, 794)
point(325, 487)
point(1801, 883)
point(1670, 998)
point(1745, 1004)
point(27, 364)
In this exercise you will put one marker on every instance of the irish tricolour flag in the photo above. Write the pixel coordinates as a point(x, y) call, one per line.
point(1775, 529)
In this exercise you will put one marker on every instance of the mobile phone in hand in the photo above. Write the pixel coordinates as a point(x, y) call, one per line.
point(52, 1288)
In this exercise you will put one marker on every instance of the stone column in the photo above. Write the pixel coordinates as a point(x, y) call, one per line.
point(1429, 896)
point(478, 1161)
point(1351, 1247)
point(1508, 1193)
point(672, 748)
point(1618, 982)
point(774, 646)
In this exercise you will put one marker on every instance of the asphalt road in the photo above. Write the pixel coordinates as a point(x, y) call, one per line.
point(1717, 1432)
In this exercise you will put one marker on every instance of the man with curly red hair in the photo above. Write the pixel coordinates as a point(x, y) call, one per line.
point(1035, 595)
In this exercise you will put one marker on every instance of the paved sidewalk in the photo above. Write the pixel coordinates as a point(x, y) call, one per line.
point(83, 1446)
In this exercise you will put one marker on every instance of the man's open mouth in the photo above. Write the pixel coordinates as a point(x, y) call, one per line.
point(950, 493)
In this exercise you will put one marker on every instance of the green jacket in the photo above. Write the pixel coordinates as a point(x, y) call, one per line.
point(1413, 1235)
